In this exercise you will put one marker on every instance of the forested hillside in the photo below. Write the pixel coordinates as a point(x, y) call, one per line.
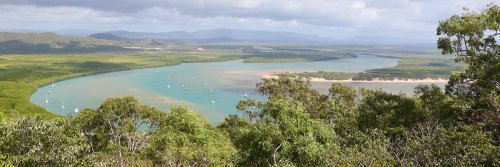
point(53, 43)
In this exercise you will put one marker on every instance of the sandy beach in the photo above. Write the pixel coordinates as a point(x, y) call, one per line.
point(378, 80)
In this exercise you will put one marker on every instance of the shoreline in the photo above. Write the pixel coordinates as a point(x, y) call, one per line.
point(376, 80)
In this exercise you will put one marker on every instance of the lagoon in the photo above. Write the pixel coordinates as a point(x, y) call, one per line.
point(213, 89)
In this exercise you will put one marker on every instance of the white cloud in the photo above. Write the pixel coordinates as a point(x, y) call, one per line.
point(57, 14)
point(359, 5)
point(245, 4)
point(326, 17)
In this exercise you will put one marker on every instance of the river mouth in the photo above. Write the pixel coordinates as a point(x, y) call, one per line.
point(213, 88)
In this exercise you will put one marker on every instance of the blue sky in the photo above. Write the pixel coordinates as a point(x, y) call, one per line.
point(327, 18)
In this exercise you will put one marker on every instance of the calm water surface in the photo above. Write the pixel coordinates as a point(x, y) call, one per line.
point(212, 89)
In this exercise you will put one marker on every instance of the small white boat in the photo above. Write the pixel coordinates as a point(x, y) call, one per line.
point(53, 84)
point(76, 110)
point(245, 95)
point(192, 78)
point(46, 98)
point(62, 102)
point(168, 86)
point(185, 88)
point(213, 101)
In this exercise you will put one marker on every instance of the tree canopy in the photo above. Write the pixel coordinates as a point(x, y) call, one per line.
point(472, 39)
point(295, 125)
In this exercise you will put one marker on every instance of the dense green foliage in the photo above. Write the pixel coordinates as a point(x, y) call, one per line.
point(121, 132)
point(472, 38)
point(34, 142)
point(295, 126)
point(362, 127)
point(184, 138)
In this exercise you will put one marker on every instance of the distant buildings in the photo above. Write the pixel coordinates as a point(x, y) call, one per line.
point(144, 48)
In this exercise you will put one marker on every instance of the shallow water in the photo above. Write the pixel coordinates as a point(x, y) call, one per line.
point(190, 84)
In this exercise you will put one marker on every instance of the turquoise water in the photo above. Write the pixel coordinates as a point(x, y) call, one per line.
point(213, 89)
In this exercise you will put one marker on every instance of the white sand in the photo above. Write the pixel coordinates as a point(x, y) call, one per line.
point(269, 75)
point(427, 80)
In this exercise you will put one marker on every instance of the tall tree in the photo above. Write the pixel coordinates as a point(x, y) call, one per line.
point(297, 89)
point(119, 127)
point(286, 135)
point(186, 139)
point(392, 113)
point(38, 142)
point(473, 38)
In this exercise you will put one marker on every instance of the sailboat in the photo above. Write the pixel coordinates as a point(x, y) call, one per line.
point(62, 102)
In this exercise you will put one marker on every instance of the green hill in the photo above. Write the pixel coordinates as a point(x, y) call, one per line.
point(11, 43)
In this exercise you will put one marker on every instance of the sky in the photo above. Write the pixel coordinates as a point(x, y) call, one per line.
point(326, 18)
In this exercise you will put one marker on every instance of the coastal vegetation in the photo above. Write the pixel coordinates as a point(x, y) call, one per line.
point(20, 75)
point(284, 55)
point(322, 74)
point(414, 66)
point(295, 125)
point(421, 65)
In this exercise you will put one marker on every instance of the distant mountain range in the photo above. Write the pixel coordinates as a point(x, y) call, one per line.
point(383, 40)
point(227, 35)
point(16, 42)
point(217, 34)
